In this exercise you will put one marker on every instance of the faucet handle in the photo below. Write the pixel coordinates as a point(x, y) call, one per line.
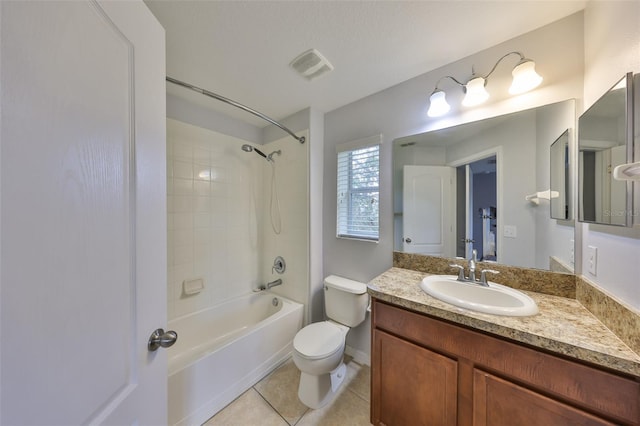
point(483, 275)
point(460, 271)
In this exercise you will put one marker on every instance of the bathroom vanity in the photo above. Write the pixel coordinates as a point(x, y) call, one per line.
point(435, 364)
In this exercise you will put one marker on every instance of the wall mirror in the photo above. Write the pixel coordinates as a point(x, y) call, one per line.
point(605, 133)
point(560, 178)
point(481, 186)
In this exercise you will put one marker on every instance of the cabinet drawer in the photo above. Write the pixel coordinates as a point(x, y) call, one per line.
point(591, 388)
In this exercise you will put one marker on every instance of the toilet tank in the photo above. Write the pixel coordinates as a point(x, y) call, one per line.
point(345, 300)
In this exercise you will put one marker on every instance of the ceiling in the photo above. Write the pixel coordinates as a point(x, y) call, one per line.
point(242, 49)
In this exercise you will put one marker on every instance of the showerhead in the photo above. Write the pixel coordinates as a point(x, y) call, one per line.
point(249, 148)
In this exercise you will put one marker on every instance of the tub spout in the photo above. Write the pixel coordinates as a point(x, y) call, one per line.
point(267, 286)
point(274, 283)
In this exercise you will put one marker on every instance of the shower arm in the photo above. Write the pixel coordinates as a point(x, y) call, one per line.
point(205, 92)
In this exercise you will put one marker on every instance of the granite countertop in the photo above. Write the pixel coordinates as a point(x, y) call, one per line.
point(562, 326)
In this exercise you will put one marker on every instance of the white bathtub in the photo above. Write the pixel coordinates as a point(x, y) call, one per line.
point(224, 350)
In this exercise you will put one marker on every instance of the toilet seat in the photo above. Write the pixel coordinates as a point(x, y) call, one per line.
point(319, 340)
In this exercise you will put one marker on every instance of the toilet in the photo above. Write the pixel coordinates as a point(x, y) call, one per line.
point(318, 348)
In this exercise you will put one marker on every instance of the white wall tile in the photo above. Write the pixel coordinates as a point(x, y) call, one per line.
point(205, 240)
point(182, 186)
point(201, 155)
point(182, 151)
point(202, 187)
point(182, 169)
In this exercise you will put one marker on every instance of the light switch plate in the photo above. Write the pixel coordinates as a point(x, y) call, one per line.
point(510, 231)
point(592, 260)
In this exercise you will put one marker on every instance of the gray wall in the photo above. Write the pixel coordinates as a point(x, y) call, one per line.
point(401, 110)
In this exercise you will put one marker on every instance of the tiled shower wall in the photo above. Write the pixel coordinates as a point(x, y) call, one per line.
point(213, 230)
point(218, 217)
point(292, 243)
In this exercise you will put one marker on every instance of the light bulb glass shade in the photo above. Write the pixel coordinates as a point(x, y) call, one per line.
point(525, 77)
point(438, 104)
point(475, 92)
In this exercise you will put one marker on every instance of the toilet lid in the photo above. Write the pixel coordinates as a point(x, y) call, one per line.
point(318, 340)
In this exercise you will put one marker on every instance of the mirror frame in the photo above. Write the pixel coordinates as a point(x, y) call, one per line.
point(567, 196)
point(628, 128)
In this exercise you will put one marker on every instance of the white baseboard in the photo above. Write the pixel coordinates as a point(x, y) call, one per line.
point(359, 356)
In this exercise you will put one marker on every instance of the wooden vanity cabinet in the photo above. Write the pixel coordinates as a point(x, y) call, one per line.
point(424, 384)
point(427, 371)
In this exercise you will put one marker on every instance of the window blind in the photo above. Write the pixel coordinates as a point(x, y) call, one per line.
point(358, 192)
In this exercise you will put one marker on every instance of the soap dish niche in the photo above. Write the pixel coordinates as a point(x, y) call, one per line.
point(192, 287)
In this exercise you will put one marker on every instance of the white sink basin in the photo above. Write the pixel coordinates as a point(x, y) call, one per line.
point(495, 299)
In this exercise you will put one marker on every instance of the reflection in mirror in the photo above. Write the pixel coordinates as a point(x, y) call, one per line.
point(604, 142)
point(560, 181)
point(467, 187)
point(476, 198)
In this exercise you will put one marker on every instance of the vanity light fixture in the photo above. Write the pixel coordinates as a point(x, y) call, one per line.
point(525, 78)
point(475, 93)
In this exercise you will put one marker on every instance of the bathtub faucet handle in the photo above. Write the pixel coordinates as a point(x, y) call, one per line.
point(279, 265)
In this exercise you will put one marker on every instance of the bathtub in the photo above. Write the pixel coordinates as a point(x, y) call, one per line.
point(224, 350)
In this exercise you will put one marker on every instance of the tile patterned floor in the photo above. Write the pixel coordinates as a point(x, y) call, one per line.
point(274, 402)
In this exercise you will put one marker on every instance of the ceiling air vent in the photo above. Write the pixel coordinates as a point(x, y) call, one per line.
point(311, 64)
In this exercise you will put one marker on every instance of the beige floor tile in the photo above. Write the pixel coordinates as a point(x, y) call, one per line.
point(248, 410)
point(347, 409)
point(359, 380)
point(280, 389)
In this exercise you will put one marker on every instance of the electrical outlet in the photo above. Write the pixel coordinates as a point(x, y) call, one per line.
point(592, 260)
point(510, 231)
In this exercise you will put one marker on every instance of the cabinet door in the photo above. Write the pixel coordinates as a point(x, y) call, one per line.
point(411, 385)
point(497, 402)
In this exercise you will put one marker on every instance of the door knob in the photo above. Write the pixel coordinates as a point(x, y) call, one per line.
point(407, 240)
point(161, 338)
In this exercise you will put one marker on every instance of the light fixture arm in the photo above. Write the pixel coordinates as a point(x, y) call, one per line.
point(522, 58)
point(435, 89)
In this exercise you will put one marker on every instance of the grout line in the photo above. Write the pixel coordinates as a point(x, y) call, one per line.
point(274, 408)
point(358, 395)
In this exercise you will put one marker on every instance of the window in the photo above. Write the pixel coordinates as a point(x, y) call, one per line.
point(358, 189)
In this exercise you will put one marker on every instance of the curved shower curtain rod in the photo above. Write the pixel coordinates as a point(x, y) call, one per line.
point(205, 92)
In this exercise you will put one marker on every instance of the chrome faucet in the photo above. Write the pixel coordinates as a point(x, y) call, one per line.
point(274, 283)
point(472, 265)
point(267, 286)
point(472, 271)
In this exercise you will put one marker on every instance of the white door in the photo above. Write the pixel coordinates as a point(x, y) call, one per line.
point(83, 222)
point(428, 212)
point(469, 241)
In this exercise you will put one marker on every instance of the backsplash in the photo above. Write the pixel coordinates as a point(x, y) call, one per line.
point(619, 318)
point(552, 283)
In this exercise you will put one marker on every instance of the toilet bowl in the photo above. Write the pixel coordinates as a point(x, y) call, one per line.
point(318, 354)
point(318, 348)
